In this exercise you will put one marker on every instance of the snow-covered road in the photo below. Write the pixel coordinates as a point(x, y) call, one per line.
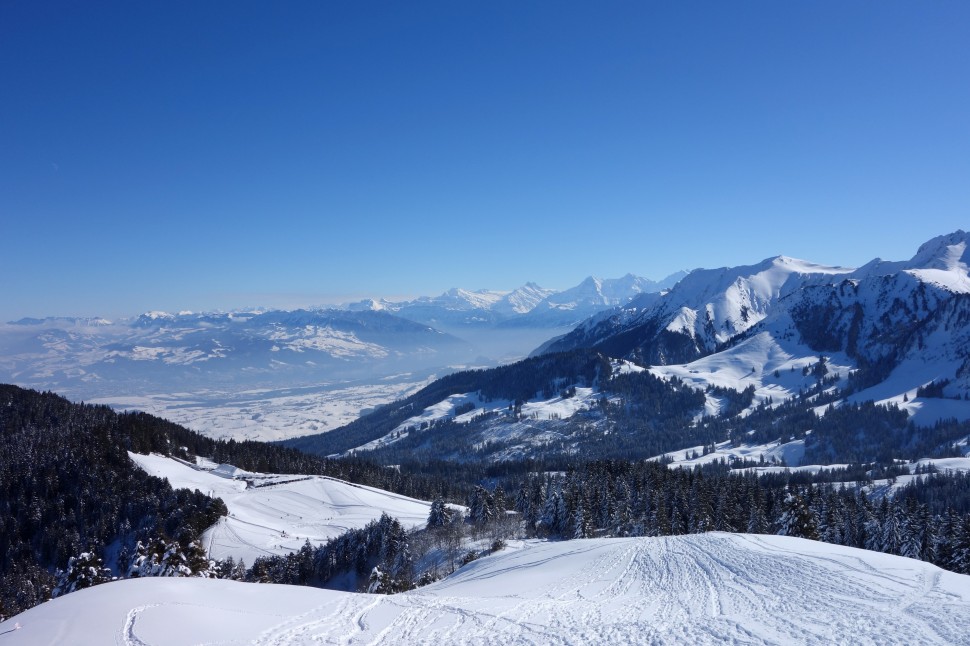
point(701, 589)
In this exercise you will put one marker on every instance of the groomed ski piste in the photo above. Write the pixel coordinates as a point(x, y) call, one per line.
point(282, 512)
point(698, 589)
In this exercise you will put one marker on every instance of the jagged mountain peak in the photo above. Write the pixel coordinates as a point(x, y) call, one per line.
point(523, 299)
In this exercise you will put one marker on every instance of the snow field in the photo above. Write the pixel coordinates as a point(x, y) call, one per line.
point(698, 589)
point(268, 415)
point(277, 519)
point(754, 362)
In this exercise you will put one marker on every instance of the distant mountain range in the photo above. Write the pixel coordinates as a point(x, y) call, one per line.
point(527, 306)
point(160, 352)
point(744, 339)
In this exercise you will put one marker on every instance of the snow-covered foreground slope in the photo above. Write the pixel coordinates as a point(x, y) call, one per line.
point(276, 519)
point(699, 589)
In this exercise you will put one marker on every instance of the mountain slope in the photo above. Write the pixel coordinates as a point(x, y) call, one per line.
point(279, 512)
point(68, 485)
point(518, 382)
point(706, 308)
point(744, 339)
point(878, 317)
point(699, 589)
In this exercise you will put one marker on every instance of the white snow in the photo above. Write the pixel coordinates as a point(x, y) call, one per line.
point(790, 453)
point(278, 518)
point(699, 589)
point(268, 415)
point(755, 362)
point(901, 385)
point(554, 408)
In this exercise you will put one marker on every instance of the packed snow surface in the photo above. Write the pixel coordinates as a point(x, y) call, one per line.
point(282, 512)
point(700, 589)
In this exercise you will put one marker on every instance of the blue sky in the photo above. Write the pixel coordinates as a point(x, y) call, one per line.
point(204, 155)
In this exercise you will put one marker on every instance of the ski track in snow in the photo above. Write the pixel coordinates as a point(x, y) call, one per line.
point(128, 634)
point(710, 589)
point(702, 589)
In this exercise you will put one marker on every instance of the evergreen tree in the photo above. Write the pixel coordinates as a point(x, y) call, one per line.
point(83, 571)
point(797, 519)
point(438, 516)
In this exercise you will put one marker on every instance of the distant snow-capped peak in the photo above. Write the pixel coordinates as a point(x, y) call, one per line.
point(523, 300)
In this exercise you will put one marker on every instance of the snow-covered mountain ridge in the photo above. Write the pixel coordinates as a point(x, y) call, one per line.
point(526, 306)
point(695, 589)
point(914, 313)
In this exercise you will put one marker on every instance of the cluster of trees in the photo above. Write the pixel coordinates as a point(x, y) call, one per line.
point(382, 544)
point(383, 557)
point(613, 498)
point(733, 401)
point(850, 433)
point(933, 389)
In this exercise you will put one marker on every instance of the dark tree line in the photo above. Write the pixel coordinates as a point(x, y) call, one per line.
point(381, 544)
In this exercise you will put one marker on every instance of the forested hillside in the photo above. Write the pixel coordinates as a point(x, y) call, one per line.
point(68, 487)
point(516, 382)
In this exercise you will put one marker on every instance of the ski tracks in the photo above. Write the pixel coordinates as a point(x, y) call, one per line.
point(128, 636)
point(700, 589)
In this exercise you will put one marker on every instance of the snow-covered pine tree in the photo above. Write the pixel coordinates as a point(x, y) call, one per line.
point(892, 530)
point(797, 519)
point(582, 523)
point(83, 571)
point(481, 506)
point(438, 516)
point(402, 570)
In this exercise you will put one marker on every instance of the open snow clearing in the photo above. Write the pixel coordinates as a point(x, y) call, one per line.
point(275, 514)
point(698, 589)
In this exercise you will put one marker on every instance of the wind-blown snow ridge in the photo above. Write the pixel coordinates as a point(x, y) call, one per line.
point(699, 589)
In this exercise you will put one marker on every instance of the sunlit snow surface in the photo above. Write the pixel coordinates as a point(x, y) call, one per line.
point(700, 589)
point(279, 518)
point(269, 415)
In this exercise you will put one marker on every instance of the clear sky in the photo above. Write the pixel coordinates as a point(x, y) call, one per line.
point(209, 155)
